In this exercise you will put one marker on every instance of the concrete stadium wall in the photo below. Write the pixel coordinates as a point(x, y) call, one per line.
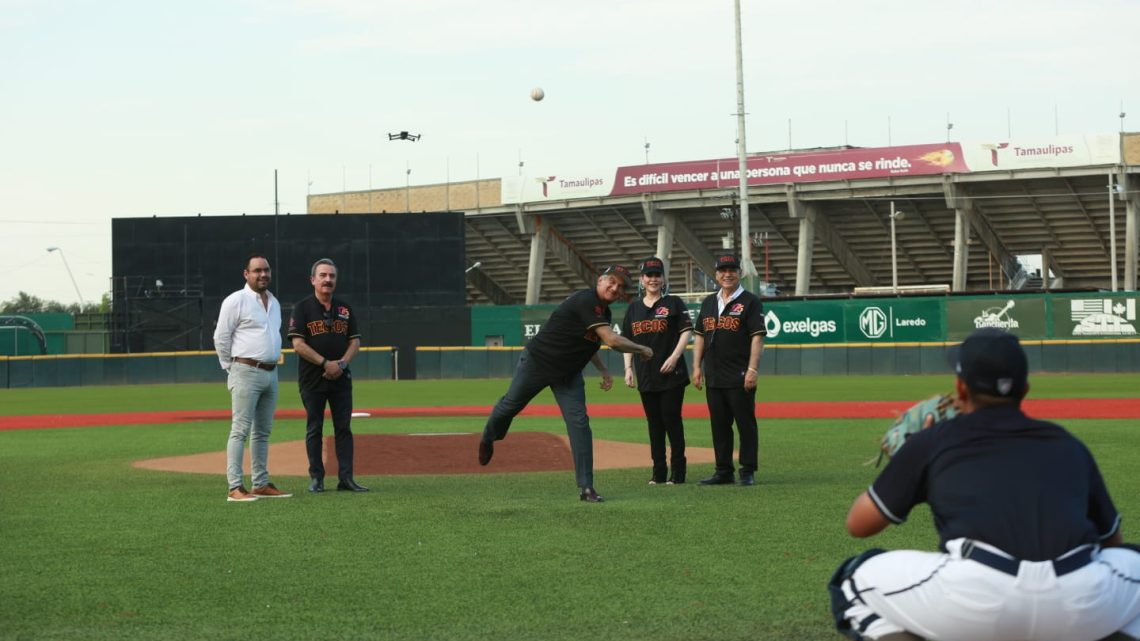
point(471, 194)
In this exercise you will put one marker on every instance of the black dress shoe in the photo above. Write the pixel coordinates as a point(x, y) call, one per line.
point(486, 451)
point(350, 486)
point(318, 485)
point(590, 496)
point(717, 479)
point(747, 478)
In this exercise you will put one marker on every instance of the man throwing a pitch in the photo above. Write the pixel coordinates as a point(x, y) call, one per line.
point(554, 358)
point(1031, 546)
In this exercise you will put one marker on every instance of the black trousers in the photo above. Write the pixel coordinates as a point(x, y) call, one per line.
point(663, 413)
point(339, 400)
point(726, 405)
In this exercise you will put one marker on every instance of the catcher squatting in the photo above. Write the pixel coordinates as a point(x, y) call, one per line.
point(1031, 545)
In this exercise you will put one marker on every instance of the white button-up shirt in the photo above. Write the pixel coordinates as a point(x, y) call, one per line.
point(721, 303)
point(247, 329)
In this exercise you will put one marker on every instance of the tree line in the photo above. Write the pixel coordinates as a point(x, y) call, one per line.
point(25, 303)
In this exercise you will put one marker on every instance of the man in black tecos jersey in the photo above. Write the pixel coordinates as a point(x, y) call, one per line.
point(554, 358)
point(726, 354)
point(325, 337)
point(661, 322)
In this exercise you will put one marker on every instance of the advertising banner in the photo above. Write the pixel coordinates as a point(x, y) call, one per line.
point(1024, 316)
point(799, 322)
point(894, 321)
point(1094, 317)
point(1058, 151)
point(818, 166)
point(845, 164)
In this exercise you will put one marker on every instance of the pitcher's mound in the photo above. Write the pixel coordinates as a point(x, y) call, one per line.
point(392, 454)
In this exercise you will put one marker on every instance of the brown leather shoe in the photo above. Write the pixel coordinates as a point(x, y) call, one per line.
point(486, 451)
point(590, 496)
point(270, 491)
point(240, 495)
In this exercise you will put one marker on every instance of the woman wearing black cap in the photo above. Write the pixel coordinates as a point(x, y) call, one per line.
point(661, 322)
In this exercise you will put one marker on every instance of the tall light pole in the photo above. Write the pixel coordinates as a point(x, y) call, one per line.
point(748, 269)
point(82, 303)
point(895, 215)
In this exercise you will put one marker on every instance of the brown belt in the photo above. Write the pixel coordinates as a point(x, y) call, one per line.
point(269, 367)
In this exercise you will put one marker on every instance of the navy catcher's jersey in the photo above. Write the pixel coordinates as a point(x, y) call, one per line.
point(995, 475)
point(728, 337)
point(658, 327)
point(567, 339)
point(327, 332)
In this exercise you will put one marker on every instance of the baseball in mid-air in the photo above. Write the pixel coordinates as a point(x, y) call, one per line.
point(537, 94)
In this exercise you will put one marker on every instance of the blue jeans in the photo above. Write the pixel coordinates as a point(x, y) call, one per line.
point(254, 398)
point(569, 391)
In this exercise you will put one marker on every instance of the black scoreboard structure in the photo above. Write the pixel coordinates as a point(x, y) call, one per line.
point(402, 273)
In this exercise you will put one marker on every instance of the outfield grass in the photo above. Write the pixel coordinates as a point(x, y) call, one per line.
point(95, 549)
point(104, 399)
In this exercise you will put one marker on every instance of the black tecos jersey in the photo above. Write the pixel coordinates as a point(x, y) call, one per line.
point(658, 327)
point(328, 332)
point(728, 337)
point(567, 340)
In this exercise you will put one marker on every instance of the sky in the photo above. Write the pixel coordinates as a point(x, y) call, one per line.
point(115, 108)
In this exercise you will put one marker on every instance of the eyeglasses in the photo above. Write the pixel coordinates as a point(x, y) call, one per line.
point(328, 320)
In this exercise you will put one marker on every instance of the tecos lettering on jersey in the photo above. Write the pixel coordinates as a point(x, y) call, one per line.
point(317, 328)
point(730, 323)
point(651, 326)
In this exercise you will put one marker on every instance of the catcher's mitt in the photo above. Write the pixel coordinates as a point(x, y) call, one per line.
point(941, 407)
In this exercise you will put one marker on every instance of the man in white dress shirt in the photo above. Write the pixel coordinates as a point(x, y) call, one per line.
point(248, 342)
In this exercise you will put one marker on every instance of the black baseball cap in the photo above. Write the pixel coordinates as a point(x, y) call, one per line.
point(991, 361)
point(620, 271)
point(727, 261)
point(653, 265)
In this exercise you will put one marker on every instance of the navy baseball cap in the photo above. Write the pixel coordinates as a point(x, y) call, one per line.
point(653, 265)
point(727, 261)
point(620, 271)
point(991, 361)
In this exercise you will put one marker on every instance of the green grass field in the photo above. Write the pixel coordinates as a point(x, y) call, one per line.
point(95, 549)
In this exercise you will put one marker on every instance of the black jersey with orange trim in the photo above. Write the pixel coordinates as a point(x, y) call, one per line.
point(659, 327)
point(328, 332)
point(728, 337)
point(568, 340)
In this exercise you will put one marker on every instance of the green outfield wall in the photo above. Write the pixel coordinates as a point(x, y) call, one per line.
point(840, 359)
point(885, 320)
point(1077, 332)
point(164, 367)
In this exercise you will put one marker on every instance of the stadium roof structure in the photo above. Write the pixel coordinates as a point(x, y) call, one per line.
point(820, 221)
